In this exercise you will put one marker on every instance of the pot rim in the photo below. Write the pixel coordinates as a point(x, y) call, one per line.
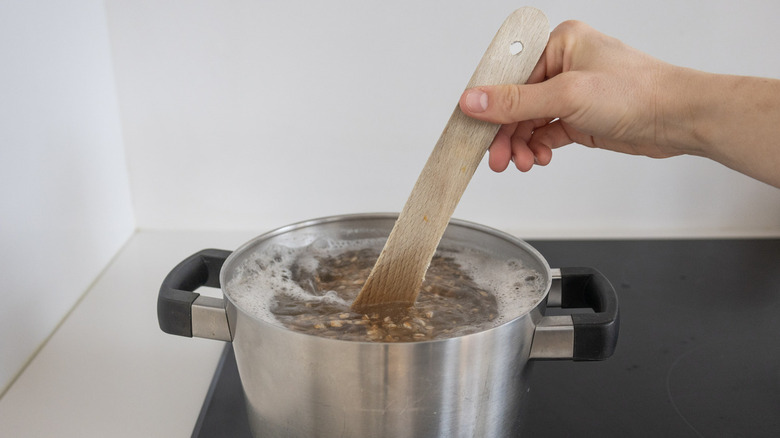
point(239, 252)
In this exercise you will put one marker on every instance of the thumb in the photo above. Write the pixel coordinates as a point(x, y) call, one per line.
point(506, 104)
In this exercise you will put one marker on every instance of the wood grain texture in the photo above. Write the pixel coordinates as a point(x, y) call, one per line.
point(400, 270)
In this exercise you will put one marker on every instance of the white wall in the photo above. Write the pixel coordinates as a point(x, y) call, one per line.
point(64, 197)
point(251, 115)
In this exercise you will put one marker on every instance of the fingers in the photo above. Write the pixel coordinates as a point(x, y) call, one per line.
point(522, 155)
point(539, 72)
point(513, 143)
point(557, 134)
point(542, 154)
point(506, 104)
point(501, 149)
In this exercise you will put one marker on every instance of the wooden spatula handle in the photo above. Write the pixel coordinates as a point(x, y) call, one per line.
point(400, 269)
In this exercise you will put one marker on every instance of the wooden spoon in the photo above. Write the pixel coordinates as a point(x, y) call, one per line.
point(400, 270)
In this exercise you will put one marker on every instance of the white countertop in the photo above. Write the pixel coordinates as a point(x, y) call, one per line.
point(108, 370)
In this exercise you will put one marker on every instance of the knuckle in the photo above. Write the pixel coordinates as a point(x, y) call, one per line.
point(509, 102)
point(572, 28)
point(572, 34)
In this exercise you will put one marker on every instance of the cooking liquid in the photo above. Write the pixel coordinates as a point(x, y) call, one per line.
point(312, 288)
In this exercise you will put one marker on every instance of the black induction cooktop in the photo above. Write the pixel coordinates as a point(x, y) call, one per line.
point(698, 354)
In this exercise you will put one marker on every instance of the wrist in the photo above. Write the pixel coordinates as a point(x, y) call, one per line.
point(730, 119)
point(684, 116)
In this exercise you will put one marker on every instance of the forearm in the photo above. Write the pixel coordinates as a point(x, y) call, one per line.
point(734, 120)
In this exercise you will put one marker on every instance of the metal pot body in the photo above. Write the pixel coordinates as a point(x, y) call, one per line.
point(299, 385)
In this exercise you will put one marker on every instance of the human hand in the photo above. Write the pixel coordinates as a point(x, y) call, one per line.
point(587, 88)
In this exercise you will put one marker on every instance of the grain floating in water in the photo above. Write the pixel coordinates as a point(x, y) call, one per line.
point(310, 288)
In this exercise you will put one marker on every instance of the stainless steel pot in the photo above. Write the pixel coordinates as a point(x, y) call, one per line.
point(299, 385)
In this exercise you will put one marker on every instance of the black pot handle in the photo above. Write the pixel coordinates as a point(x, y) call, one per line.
point(174, 302)
point(595, 334)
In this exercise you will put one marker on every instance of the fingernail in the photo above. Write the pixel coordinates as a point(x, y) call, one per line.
point(476, 101)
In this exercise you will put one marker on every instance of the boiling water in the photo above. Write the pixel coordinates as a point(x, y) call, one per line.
point(310, 288)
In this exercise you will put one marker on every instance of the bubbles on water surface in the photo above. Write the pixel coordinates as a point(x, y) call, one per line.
point(277, 273)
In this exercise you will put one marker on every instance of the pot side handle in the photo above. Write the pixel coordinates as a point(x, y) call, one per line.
point(183, 312)
point(579, 336)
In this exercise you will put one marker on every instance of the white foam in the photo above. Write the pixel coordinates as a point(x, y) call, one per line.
point(268, 272)
point(517, 288)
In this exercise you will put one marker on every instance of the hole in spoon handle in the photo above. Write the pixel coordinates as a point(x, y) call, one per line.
point(516, 48)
